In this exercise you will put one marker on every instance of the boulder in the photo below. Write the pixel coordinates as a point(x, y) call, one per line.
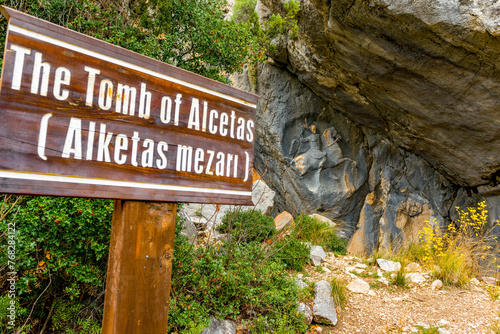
point(282, 220)
point(220, 326)
point(475, 281)
point(388, 266)
point(307, 312)
point(488, 280)
point(323, 219)
point(317, 255)
point(189, 229)
point(323, 305)
point(417, 98)
point(263, 197)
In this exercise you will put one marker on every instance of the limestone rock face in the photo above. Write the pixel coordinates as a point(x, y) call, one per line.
point(382, 115)
point(423, 73)
point(317, 160)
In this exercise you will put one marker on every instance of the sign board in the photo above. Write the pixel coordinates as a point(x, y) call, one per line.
point(83, 118)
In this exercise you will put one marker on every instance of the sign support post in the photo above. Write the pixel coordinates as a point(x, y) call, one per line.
point(139, 267)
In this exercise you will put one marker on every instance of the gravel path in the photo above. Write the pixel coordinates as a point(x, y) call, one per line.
point(389, 309)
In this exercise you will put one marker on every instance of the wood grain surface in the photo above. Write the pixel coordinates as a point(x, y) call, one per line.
point(83, 118)
point(139, 268)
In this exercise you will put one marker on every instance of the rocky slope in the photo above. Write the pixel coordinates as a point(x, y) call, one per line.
point(382, 114)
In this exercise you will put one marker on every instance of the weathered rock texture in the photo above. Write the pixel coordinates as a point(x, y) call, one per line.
point(382, 114)
point(426, 73)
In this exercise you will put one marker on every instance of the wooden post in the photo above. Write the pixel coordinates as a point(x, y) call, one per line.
point(139, 268)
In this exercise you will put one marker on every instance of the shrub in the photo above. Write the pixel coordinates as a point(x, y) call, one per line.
point(463, 250)
point(247, 225)
point(61, 254)
point(320, 233)
point(244, 10)
point(453, 267)
point(231, 279)
point(293, 253)
point(400, 279)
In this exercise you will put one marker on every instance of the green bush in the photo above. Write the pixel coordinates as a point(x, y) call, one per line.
point(319, 233)
point(230, 280)
point(247, 225)
point(61, 254)
point(293, 253)
point(244, 10)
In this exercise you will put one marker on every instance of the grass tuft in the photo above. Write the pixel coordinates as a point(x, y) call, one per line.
point(339, 292)
point(400, 278)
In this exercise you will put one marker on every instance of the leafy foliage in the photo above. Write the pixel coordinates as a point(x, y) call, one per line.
point(339, 292)
point(230, 279)
point(61, 254)
point(195, 35)
point(248, 225)
point(286, 25)
point(293, 253)
point(313, 230)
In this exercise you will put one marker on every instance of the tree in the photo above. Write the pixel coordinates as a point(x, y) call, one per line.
point(196, 35)
point(62, 243)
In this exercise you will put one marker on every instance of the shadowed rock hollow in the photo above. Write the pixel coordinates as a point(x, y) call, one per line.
point(382, 114)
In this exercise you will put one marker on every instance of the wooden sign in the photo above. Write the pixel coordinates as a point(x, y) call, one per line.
point(83, 118)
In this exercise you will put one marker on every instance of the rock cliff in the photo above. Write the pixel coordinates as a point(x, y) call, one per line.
point(382, 114)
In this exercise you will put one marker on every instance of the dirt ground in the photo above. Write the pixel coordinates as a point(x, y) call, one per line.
point(390, 309)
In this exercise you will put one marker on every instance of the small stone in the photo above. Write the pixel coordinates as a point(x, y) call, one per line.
point(300, 283)
point(323, 219)
point(307, 312)
point(389, 266)
point(360, 266)
point(384, 281)
point(359, 286)
point(220, 326)
point(443, 331)
point(282, 220)
point(323, 305)
point(412, 267)
point(488, 280)
point(436, 285)
point(317, 255)
point(380, 273)
point(348, 269)
point(443, 322)
point(372, 293)
point(475, 281)
point(415, 278)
